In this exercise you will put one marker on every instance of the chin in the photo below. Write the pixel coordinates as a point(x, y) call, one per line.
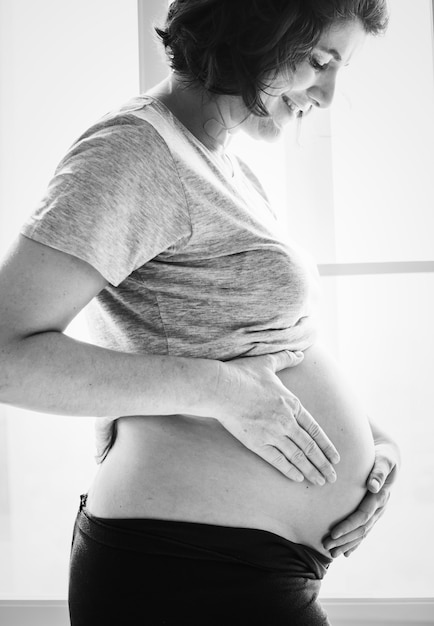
point(269, 132)
point(272, 137)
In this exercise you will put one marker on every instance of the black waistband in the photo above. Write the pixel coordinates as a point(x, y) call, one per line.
point(193, 540)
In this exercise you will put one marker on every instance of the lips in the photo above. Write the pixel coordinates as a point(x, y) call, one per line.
point(295, 108)
point(290, 104)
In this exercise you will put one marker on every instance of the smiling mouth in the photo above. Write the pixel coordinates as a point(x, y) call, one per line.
point(296, 110)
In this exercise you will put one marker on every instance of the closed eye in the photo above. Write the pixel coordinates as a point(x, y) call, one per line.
point(317, 65)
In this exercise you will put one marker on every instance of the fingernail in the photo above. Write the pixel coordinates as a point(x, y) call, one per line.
point(336, 535)
point(332, 477)
point(320, 481)
point(375, 484)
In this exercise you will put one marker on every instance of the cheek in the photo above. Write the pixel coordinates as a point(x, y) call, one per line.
point(298, 81)
point(304, 77)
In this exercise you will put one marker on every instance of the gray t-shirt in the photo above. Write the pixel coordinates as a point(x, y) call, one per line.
point(197, 263)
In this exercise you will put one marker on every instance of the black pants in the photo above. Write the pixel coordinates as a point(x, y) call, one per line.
point(153, 572)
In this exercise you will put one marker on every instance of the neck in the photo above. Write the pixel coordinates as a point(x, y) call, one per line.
point(207, 116)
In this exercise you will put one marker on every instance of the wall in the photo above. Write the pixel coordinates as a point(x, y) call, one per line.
point(62, 66)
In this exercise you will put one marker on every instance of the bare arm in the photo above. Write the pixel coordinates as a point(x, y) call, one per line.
point(42, 369)
point(42, 290)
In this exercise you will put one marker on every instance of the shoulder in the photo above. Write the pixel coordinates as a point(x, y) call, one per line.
point(121, 138)
point(122, 153)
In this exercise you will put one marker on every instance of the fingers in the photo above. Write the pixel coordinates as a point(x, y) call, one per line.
point(349, 552)
point(325, 451)
point(346, 549)
point(374, 485)
point(384, 472)
point(290, 439)
point(285, 358)
point(358, 524)
point(303, 452)
point(297, 458)
point(360, 517)
point(340, 544)
point(307, 448)
point(348, 543)
point(276, 458)
point(378, 475)
point(291, 462)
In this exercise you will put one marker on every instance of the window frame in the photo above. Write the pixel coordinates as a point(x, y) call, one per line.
point(341, 611)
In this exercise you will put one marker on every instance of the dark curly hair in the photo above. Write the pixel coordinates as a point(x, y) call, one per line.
point(233, 46)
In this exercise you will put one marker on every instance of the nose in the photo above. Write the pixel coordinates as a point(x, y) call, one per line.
point(322, 93)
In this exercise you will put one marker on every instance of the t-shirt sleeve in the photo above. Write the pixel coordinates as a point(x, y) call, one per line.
point(115, 201)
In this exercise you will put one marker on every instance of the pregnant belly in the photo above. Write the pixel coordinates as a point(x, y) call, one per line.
point(192, 469)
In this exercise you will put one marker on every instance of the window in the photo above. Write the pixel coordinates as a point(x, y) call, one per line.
point(357, 192)
point(62, 67)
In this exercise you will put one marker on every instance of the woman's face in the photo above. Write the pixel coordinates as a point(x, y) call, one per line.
point(312, 84)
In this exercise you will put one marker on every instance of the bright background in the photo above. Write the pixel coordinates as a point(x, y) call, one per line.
point(354, 188)
point(62, 66)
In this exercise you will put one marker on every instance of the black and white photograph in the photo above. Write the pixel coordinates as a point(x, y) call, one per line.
point(216, 313)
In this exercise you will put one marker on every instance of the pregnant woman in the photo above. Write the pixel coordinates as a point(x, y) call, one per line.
point(234, 461)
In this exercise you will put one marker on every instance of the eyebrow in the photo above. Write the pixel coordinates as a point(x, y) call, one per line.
point(335, 54)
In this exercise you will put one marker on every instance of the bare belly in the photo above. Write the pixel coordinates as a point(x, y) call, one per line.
point(191, 469)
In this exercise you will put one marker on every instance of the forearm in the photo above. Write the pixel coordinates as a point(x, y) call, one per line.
point(53, 373)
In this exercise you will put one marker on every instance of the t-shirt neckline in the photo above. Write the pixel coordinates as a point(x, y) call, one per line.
point(228, 171)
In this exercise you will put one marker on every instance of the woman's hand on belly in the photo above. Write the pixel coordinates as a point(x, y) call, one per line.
point(346, 536)
point(193, 469)
point(265, 416)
